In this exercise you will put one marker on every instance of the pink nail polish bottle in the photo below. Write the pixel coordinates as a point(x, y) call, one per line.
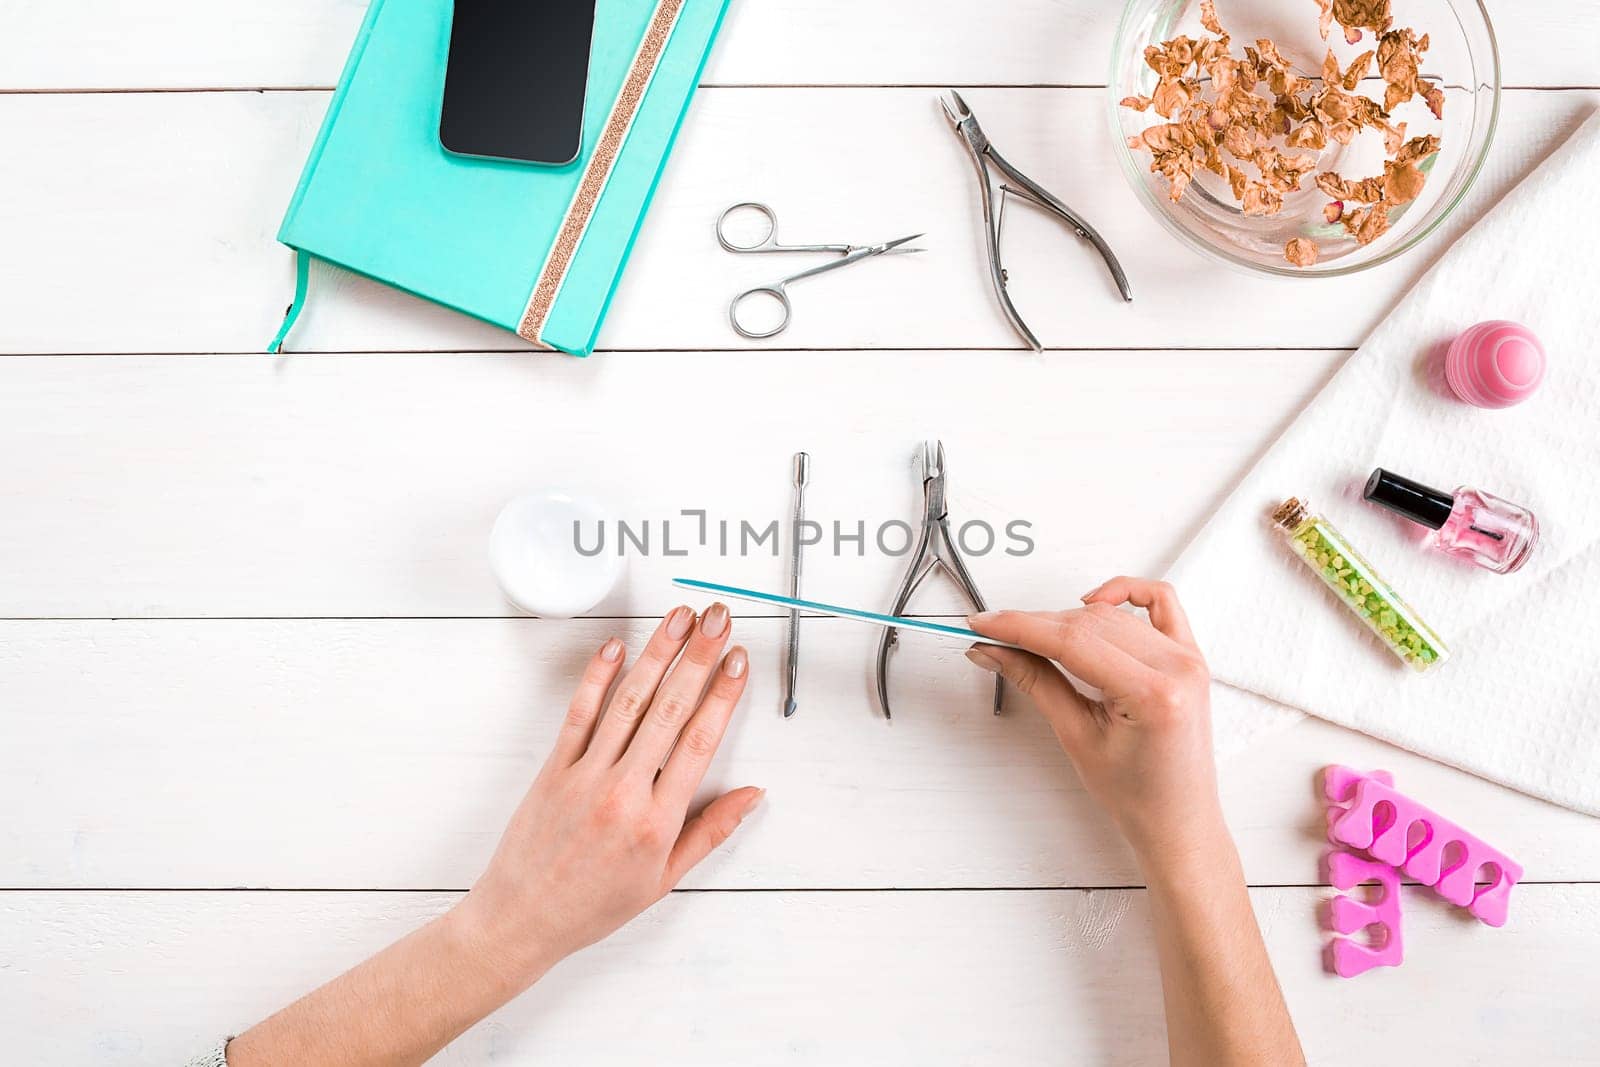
point(1469, 523)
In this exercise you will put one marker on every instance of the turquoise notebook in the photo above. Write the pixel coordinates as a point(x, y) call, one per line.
point(536, 250)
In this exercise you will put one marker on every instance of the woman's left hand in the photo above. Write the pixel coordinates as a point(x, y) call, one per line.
point(604, 832)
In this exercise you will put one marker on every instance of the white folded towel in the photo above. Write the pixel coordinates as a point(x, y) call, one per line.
point(1519, 700)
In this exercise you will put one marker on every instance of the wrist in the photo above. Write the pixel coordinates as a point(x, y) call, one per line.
point(1196, 852)
point(512, 958)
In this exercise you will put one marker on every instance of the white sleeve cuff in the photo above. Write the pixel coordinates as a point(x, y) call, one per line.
point(217, 1057)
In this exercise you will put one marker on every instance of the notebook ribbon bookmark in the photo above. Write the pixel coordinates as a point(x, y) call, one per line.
point(302, 278)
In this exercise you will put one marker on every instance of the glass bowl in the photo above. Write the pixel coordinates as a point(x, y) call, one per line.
point(1462, 59)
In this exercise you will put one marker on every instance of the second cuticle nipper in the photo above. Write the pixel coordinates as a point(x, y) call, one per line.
point(936, 548)
point(983, 154)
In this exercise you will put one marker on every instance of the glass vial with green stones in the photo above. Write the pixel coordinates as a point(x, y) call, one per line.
point(1366, 594)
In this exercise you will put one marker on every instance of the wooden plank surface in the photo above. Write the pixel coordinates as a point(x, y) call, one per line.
point(802, 978)
point(253, 44)
point(366, 485)
point(388, 754)
point(170, 248)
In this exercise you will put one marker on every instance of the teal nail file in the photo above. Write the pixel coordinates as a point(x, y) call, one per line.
point(898, 622)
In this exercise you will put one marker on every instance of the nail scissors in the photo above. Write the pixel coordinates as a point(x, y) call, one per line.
point(983, 154)
point(779, 289)
point(935, 549)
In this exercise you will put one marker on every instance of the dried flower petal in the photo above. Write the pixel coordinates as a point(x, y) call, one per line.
point(1400, 63)
point(1434, 96)
point(1302, 252)
point(1394, 137)
point(1375, 225)
point(1137, 103)
point(1179, 182)
point(1238, 181)
point(1237, 140)
point(1367, 224)
point(1330, 69)
point(1172, 95)
point(1365, 191)
point(1417, 149)
point(1293, 107)
point(1332, 210)
point(1270, 53)
point(1324, 17)
point(1311, 134)
point(1371, 15)
point(1284, 172)
point(1402, 183)
point(1357, 70)
point(1261, 200)
point(1208, 17)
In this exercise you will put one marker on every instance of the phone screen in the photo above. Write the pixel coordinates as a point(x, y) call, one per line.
point(514, 86)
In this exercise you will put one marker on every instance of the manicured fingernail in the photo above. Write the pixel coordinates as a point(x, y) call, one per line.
point(1085, 598)
point(678, 623)
point(736, 663)
point(983, 617)
point(983, 659)
point(715, 621)
point(754, 802)
point(611, 651)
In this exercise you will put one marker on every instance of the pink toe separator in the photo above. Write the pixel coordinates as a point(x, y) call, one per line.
point(1369, 815)
point(1350, 956)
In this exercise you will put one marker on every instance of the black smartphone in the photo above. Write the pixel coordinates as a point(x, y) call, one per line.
point(516, 79)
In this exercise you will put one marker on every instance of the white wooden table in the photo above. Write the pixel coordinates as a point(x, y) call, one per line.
point(262, 708)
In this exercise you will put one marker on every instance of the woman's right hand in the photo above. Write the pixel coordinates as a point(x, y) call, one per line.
point(1143, 750)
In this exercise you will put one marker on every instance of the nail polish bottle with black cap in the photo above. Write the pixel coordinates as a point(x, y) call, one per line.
point(1469, 523)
